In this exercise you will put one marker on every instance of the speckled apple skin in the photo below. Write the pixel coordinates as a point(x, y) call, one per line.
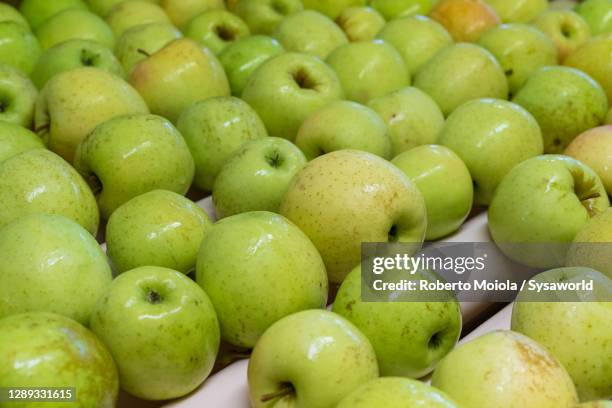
point(49, 350)
point(159, 228)
point(50, 263)
point(15, 139)
point(593, 243)
point(39, 181)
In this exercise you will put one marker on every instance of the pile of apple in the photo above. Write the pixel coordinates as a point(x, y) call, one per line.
point(316, 125)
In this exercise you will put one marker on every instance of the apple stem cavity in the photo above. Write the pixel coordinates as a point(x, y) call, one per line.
point(392, 235)
point(303, 80)
point(94, 183)
point(435, 340)
point(225, 33)
point(286, 390)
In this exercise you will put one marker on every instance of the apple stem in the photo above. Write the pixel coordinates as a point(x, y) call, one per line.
point(42, 128)
point(143, 52)
point(591, 196)
point(283, 392)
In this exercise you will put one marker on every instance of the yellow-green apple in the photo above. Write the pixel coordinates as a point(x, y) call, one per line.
point(216, 29)
point(72, 54)
point(565, 28)
point(19, 48)
point(74, 102)
point(596, 404)
point(49, 350)
point(582, 321)
point(17, 97)
point(287, 88)
point(594, 57)
point(179, 74)
point(242, 57)
point(359, 64)
point(39, 181)
point(465, 20)
point(416, 38)
point(504, 369)
point(309, 32)
point(484, 128)
point(460, 73)
point(313, 358)
point(591, 246)
point(128, 14)
point(518, 11)
point(158, 228)
point(565, 102)
point(396, 392)
point(430, 167)
point(161, 329)
point(139, 42)
point(102, 7)
point(263, 16)
point(257, 267)
point(50, 263)
point(132, 154)
point(435, 328)
point(214, 129)
point(597, 14)
point(10, 13)
point(541, 205)
point(521, 50)
point(347, 197)
point(332, 8)
point(391, 9)
point(413, 118)
point(15, 139)
point(182, 11)
point(256, 177)
point(344, 125)
point(594, 148)
point(38, 11)
point(360, 23)
point(74, 23)
point(609, 117)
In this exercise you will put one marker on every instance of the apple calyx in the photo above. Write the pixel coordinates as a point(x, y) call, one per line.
point(153, 296)
point(287, 389)
point(435, 340)
point(4, 105)
point(274, 159)
point(392, 234)
point(88, 59)
point(94, 182)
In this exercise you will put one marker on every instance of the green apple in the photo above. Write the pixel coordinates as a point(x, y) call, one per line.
point(39, 181)
point(310, 32)
point(74, 23)
point(446, 184)
point(396, 392)
point(129, 14)
point(15, 139)
point(416, 38)
point(344, 125)
point(331, 8)
point(214, 130)
point(412, 116)
point(39, 11)
point(132, 154)
point(17, 97)
point(74, 102)
point(460, 73)
point(391, 9)
point(518, 11)
point(609, 117)
point(594, 57)
point(50, 263)
point(360, 23)
point(10, 13)
point(358, 66)
point(18, 48)
point(485, 128)
point(161, 329)
point(565, 102)
point(565, 28)
point(216, 29)
point(49, 350)
point(256, 177)
point(583, 323)
point(102, 7)
point(182, 11)
point(139, 42)
point(181, 73)
point(158, 228)
point(434, 328)
point(504, 369)
point(465, 20)
point(591, 246)
point(257, 267)
point(521, 50)
point(541, 205)
point(242, 57)
point(366, 199)
point(309, 359)
point(263, 16)
point(287, 88)
point(597, 14)
point(74, 54)
point(594, 148)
